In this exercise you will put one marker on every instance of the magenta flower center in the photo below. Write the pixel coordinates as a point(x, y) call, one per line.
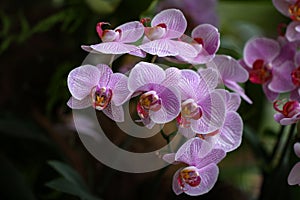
point(189, 110)
point(148, 101)
point(296, 76)
point(190, 176)
point(101, 97)
point(156, 32)
point(289, 109)
point(199, 41)
point(260, 73)
point(294, 11)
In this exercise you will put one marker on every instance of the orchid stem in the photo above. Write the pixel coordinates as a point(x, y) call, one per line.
point(111, 60)
point(276, 146)
point(287, 144)
point(153, 59)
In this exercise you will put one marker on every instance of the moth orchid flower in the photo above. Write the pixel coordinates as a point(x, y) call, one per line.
point(159, 100)
point(119, 40)
point(166, 27)
point(99, 87)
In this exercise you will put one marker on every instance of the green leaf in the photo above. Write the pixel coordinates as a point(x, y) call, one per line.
point(71, 183)
point(68, 187)
point(103, 6)
point(20, 128)
point(68, 173)
point(6, 24)
point(25, 28)
point(256, 145)
point(12, 183)
point(47, 23)
point(6, 42)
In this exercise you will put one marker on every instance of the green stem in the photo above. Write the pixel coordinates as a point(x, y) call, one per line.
point(272, 187)
point(287, 144)
point(153, 59)
point(111, 60)
point(276, 146)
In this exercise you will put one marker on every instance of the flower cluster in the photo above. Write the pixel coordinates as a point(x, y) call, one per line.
point(193, 98)
point(275, 64)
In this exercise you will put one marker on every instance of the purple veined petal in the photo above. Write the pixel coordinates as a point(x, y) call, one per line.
point(188, 84)
point(79, 104)
point(170, 105)
point(145, 73)
point(295, 94)
point(271, 96)
point(116, 113)
point(175, 185)
point(229, 68)
point(119, 85)
point(114, 48)
point(282, 81)
point(213, 156)
point(173, 77)
point(287, 51)
point(88, 48)
point(209, 79)
point(294, 176)
point(203, 57)
point(260, 48)
point(82, 79)
point(173, 19)
point(213, 114)
point(288, 121)
point(105, 74)
point(169, 158)
point(278, 117)
point(293, 31)
point(282, 6)
point(138, 53)
point(187, 132)
point(244, 65)
point(238, 89)
point(131, 31)
point(209, 176)
point(165, 47)
point(192, 151)
point(184, 49)
point(231, 132)
point(297, 149)
point(297, 59)
point(210, 36)
point(233, 101)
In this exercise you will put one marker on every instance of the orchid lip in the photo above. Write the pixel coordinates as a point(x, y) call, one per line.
point(289, 109)
point(296, 76)
point(101, 97)
point(148, 101)
point(260, 73)
point(190, 176)
point(294, 11)
point(156, 32)
point(189, 110)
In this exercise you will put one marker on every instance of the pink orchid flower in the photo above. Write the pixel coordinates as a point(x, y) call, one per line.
point(160, 38)
point(119, 40)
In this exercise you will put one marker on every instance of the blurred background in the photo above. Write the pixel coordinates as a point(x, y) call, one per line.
point(41, 155)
